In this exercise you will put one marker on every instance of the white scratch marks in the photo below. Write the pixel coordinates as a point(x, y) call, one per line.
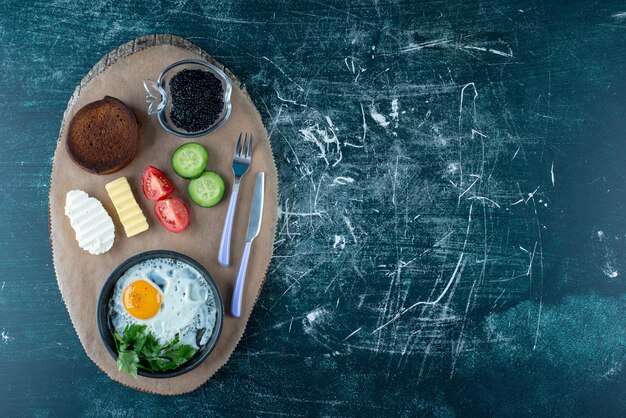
point(428, 44)
point(538, 322)
point(609, 268)
point(351, 65)
point(610, 271)
point(324, 138)
point(364, 124)
point(289, 100)
point(274, 120)
point(442, 239)
point(352, 333)
point(516, 152)
point(468, 189)
point(447, 43)
point(343, 180)
point(286, 213)
point(312, 319)
point(461, 104)
point(552, 173)
point(493, 51)
point(364, 131)
point(352, 68)
point(340, 241)
point(434, 302)
point(619, 16)
point(395, 114)
point(378, 117)
point(452, 278)
point(452, 168)
point(531, 194)
point(484, 199)
point(394, 184)
point(532, 258)
point(456, 274)
point(281, 296)
point(350, 227)
point(5, 338)
point(475, 133)
point(284, 73)
point(315, 314)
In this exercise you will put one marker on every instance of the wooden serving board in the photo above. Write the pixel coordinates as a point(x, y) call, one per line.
point(81, 275)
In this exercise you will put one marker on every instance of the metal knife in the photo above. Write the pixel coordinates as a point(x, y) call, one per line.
point(254, 227)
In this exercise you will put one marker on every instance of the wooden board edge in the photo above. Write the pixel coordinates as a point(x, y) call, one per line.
point(136, 45)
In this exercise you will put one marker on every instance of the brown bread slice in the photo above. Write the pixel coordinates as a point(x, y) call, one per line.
point(103, 136)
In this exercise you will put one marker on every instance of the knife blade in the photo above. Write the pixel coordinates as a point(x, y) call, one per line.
point(256, 211)
point(254, 227)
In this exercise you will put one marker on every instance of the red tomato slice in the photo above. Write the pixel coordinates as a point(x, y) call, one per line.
point(155, 184)
point(173, 214)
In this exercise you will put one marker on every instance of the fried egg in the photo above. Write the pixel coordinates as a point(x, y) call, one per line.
point(170, 297)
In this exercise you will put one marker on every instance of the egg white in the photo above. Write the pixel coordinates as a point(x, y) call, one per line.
point(187, 304)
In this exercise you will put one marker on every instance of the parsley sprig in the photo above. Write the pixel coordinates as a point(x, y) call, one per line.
point(140, 350)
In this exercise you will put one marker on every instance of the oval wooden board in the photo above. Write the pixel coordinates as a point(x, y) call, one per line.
point(81, 275)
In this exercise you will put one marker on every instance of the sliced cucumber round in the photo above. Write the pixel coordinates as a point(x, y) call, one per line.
point(206, 190)
point(189, 160)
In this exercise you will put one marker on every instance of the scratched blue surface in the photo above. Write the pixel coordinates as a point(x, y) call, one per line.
point(452, 192)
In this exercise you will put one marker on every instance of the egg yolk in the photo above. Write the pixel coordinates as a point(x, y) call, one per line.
point(141, 299)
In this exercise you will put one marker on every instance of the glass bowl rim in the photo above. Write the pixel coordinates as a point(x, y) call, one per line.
point(227, 98)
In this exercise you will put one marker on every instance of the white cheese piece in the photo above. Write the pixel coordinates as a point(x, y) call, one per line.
point(92, 224)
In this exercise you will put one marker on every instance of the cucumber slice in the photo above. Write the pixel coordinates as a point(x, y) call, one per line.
point(189, 160)
point(206, 190)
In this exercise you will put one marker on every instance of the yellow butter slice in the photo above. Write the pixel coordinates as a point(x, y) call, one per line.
point(129, 212)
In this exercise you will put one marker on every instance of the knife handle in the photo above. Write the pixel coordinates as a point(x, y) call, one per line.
point(224, 254)
point(235, 307)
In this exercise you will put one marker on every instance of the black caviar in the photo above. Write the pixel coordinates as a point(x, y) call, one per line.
point(197, 99)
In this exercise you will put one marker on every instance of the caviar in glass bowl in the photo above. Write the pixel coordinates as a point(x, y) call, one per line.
point(191, 98)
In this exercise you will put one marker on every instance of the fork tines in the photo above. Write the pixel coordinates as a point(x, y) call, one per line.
point(243, 150)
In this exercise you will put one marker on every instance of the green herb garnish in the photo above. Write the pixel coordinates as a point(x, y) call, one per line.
point(138, 350)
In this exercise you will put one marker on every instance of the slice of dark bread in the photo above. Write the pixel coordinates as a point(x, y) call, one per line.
point(103, 136)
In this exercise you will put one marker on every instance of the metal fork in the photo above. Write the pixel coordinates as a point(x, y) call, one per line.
point(241, 162)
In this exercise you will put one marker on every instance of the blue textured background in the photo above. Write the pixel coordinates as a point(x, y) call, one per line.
point(452, 234)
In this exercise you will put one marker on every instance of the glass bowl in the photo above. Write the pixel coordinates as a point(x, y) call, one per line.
point(159, 103)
